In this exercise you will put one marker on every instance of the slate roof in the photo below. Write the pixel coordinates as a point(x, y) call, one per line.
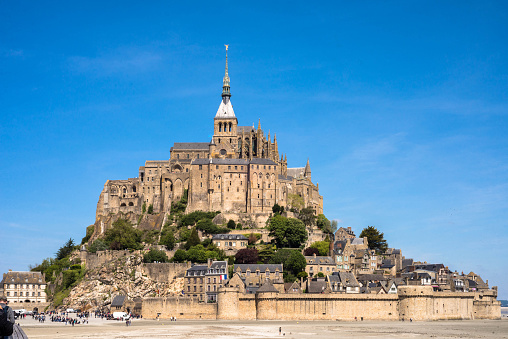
point(219, 264)
point(15, 277)
point(428, 267)
point(317, 285)
point(118, 301)
point(407, 262)
point(229, 237)
point(296, 172)
point(201, 146)
point(246, 129)
point(261, 161)
point(371, 277)
point(261, 267)
point(267, 287)
point(196, 270)
point(348, 279)
point(357, 241)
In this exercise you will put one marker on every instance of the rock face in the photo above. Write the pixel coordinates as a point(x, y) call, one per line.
point(124, 276)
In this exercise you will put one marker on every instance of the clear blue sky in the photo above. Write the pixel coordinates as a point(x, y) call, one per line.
point(401, 107)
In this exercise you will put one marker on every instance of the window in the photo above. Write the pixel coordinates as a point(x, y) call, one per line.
point(264, 167)
point(201, 175)
point(236, 167)
point(216, 166)
point(201, 184)
point(257, 166)
point(187, 156)
point(201, 167)
point(241, 167)
point(177, 156)
point(229, 167)
point(269, 167)
point(198, 158)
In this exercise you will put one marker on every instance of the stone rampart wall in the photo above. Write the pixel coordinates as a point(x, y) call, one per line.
point(179, 307)
point(165, 272)
point(416, 302)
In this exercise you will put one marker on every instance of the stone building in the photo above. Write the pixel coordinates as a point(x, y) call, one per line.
point(203, 281)
point(317, 264)
point(240, 170)
point(230, 243)
point(24, 287)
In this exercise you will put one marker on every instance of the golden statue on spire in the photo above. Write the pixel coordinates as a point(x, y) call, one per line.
point(226, 47)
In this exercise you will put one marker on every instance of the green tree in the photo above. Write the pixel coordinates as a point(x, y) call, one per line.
point(155, 255)
point(320, 275)
point(323, 223)
point(89, 232)
point(323, 247)
point(375, 238)
point(65, 250)
point(168, 239)
point(293, 261)
point(123, 236)
point(98, 245)
point(287, 232)
point(277, 209)
point(295, 201)
point(302, 275)
point(193, 239)
point(306, 215)
point(143, 207)
point(266, 252)
point(334, 225)
point(231, 224)
point(150, 209)
point(179, 256)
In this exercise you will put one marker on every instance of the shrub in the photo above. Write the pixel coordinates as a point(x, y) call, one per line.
point(150, 209)
point(155, 255)
point(89, 232)
point(98, 245)
point(247, 256)
point(231, 224)
point(167, 239)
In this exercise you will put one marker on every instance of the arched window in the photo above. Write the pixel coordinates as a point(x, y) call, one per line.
point(230, 124)
point(220, 126)
point(131, 204)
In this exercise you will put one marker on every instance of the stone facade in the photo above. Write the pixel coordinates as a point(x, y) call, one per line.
point(24, 287)
point(238, 171)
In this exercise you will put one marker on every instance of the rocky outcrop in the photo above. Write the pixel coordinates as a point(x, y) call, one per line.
point(123, 276)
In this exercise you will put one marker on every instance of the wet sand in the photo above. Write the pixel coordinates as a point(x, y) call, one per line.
point(98, 328)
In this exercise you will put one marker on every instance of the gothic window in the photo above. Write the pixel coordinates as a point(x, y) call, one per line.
point(201, 175)
point(133, 188)
point(187, 156)
point(219, 140)
point(220, 126)
point(230, 124)
point(177, 156)
point(131, 203)
point(201, 167)
point(125, 190)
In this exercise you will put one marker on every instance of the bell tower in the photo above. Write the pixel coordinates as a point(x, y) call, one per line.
point(225, 123)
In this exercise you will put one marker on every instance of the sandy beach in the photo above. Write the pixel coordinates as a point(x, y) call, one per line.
point(98, 328)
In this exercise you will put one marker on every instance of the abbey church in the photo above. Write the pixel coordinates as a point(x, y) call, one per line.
point(239, 171)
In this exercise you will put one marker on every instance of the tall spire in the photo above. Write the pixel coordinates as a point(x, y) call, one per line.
point(226, 94)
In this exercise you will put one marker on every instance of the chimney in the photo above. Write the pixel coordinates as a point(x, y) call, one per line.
point(314, 254)
point(209, 262)
point(349, 228)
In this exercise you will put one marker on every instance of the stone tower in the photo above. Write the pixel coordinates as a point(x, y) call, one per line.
point(225, 124)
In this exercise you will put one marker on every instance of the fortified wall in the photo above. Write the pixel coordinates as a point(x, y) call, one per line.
point(416, 302)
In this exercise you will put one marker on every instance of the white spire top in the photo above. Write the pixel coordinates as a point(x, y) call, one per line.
point(225, 110)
